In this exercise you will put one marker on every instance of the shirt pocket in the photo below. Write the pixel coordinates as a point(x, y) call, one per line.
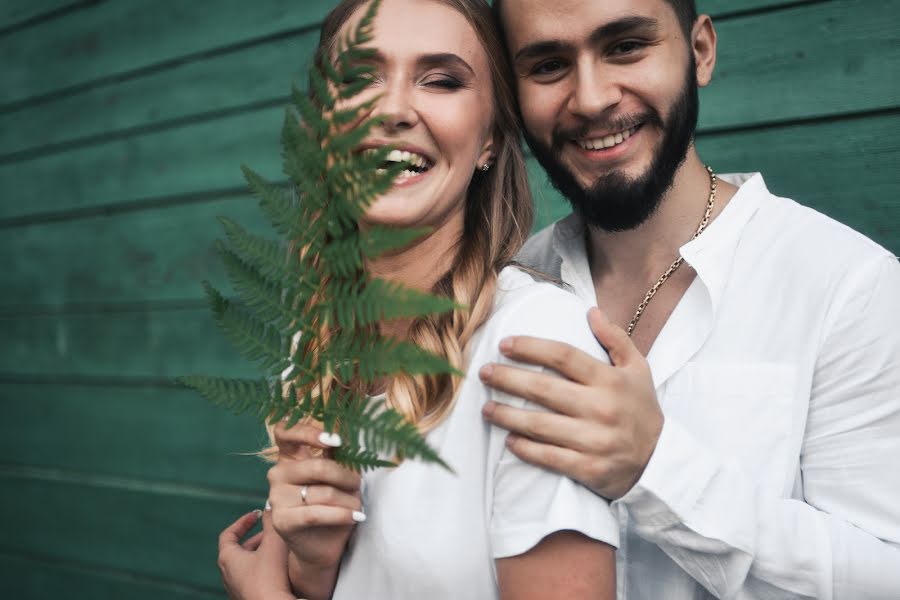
point(741, 411)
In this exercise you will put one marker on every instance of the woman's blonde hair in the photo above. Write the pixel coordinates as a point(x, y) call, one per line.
point(498, 219)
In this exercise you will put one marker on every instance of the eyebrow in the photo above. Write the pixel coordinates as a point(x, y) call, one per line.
point(611, 29)
point(430, 61)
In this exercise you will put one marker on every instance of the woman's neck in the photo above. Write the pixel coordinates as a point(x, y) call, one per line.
point(419, 266)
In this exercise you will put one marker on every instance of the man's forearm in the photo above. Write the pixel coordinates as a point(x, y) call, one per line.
point(736, 539)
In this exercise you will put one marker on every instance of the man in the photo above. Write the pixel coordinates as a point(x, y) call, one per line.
point(753, 452)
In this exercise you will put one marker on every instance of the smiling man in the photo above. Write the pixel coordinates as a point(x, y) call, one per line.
point(748, 424)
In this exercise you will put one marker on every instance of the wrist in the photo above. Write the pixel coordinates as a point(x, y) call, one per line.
point(311, 581)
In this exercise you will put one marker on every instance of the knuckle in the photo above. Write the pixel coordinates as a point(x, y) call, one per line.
point(273, 475)
point(329, 495)
point(564, 355)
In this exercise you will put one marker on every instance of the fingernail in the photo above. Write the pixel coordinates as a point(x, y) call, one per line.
point(258, 513)
point(359, 517)
point(511, 439)
point(268, 506)
point(488, 408)
point(330, 439)
point(485, 371)
point(506, 345)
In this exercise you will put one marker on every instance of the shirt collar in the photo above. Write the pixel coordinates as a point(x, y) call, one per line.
point(711, 254)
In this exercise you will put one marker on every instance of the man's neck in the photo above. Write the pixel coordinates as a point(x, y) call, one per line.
point(624, 265)
point(644, 252)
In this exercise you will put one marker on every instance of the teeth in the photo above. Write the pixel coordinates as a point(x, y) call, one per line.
point(416, 160)
point(607, 141)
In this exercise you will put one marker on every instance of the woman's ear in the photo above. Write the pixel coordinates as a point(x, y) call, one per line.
point(703, 45)
point(487, 154)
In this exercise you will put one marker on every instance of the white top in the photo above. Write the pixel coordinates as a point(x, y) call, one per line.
point(431, 534)
point(776, 474)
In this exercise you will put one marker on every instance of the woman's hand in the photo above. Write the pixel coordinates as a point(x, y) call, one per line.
point(256, 569)
point(316, 503)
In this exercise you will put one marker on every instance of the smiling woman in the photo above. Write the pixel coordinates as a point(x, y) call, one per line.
point(494, 527)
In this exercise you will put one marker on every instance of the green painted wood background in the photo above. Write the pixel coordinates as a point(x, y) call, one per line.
point(122, 125)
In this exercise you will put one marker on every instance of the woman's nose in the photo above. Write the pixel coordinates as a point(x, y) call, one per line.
point(397, 109)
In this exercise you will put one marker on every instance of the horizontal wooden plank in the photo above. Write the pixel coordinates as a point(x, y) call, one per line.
point(151, 255)
point(169, 436)
point(153, 344)
point(761, 61)
point(726, 7)
point(27, 578)
point(201, 157)
point(153, 535)
point(845, 169)
point(116, 38)
point(808, 61)
point(15, 12)
point(258, 74)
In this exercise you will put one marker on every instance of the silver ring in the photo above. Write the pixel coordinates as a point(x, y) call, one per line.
point(303, 492)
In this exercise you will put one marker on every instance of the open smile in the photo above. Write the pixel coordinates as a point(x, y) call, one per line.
point(417, 162)
point(604, 142)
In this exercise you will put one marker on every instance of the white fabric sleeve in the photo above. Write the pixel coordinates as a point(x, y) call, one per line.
point(842, 540)
point(530, 502)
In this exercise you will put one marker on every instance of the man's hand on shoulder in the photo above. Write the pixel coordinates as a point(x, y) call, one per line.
point(606, 418)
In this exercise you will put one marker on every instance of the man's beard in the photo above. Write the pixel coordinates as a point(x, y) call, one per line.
point(617, 202)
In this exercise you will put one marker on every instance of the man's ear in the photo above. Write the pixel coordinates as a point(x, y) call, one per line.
point(703, 45)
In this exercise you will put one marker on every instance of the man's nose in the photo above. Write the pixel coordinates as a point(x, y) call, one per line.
point(595, 90)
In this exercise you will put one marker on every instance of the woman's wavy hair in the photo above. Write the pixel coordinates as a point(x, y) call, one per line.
point(498, 219)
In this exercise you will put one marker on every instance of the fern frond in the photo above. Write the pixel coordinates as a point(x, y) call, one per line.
point(385, 431)
point(360, 304)
point(256, 340)
point(269, 257)
point(236, 395)
point(268, 299)
point(377, 240)
point(369, 359)
point(306, 309)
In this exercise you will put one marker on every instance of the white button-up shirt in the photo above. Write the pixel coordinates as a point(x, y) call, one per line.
point(777, 473)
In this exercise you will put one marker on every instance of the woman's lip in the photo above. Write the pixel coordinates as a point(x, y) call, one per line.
point(401, 181)
point(403, 147)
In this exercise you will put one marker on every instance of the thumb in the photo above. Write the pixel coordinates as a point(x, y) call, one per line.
point(613, 338)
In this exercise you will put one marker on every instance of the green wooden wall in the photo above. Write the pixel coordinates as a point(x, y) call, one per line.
point(122, 125)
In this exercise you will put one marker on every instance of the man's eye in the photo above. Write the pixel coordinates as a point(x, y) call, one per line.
point(627, 47)
point(548, 67)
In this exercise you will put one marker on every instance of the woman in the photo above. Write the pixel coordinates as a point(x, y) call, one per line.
point(495, 527)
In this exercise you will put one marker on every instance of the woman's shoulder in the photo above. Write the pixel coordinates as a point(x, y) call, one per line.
point(526, 304)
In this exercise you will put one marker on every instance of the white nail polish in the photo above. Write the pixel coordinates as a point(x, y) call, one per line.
point(268, 506)
point(359, 517)
point(330, 439)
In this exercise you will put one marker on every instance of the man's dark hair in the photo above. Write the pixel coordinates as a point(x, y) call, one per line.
point(685, 10)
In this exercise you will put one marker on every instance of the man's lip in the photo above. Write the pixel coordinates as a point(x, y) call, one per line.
point(612, 153)
point(402, 146)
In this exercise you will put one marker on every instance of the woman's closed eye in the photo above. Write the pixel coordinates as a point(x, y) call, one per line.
point(443, 82)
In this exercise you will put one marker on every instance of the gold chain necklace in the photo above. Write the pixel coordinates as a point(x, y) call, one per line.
point(674, 266)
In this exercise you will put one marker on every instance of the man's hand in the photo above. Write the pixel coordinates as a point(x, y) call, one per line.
point(606, 421)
